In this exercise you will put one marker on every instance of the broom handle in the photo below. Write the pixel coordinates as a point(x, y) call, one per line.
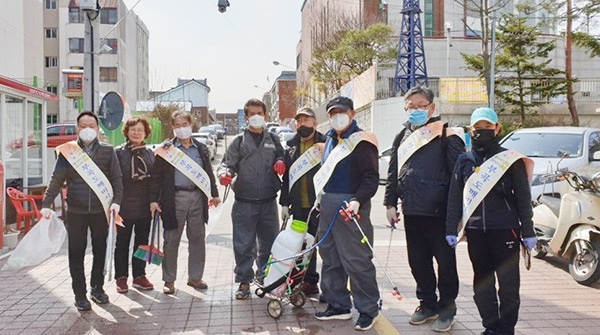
point(152, 232)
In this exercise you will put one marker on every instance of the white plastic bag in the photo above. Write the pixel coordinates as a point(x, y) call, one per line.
point(43, 240)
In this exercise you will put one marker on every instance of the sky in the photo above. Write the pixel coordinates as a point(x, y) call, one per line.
point(234, 50)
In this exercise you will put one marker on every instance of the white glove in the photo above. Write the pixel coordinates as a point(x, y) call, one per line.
point(285, 213)
point(114, 208)
point(392, 214)
point(353, 207)
point(46, 213)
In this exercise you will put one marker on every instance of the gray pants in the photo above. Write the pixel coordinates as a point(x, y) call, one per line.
point(189, 208)
point(253, 222)
point(344, 256)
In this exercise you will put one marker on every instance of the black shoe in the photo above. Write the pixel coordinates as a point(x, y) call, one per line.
point(99, 296)
point(332, 313)
point(82, 303)
point(364, 322)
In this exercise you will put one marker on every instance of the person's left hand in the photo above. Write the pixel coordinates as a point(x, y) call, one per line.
point(451, 240)
point(114, 208)
point(279, 167)
point(530, 242)
point(214, 201)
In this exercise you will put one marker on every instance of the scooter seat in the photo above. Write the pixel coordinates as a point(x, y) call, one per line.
point(552, 203)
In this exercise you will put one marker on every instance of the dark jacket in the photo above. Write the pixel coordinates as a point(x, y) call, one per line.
point(293, 197)
point(256, 181)
point(358, 173)
point(162, 186)
point(422, 183)
point(136, 194)
point(81, 198)
point(507, 203)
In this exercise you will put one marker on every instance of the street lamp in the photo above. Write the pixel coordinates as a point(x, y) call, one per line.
point(276, 63)
point(448, 26)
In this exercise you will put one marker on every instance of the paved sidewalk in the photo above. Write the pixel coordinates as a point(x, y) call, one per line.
point(40, 301)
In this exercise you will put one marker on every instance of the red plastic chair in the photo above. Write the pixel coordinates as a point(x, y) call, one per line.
point(18, 198)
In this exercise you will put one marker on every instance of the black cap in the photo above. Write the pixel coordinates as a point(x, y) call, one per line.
point(342, 103)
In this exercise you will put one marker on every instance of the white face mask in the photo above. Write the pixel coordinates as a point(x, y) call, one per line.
point(183, 132)
point(87, 135)
point(339, 121)
point(256, 121)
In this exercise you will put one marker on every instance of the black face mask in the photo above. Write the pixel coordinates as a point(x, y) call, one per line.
point(305, 131)
point(484, 140)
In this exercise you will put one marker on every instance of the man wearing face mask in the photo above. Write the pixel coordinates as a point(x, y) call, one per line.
point(352, 156)
point(298, 200)
point(182, 202)
point(86, 210)
point(421, 165)
point(255, 158)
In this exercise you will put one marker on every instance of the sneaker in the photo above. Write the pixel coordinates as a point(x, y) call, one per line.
point(197, 284)
point(99, 296)
point(489, 332)
point(82, 303)
point(422, 315)
point(443, 324)
point(332, 313)
point(169, 287)
point(308, 288)
point(122, 285)
point(243, 291)
point(322, 299)
point(364, 322)
point(142, 283)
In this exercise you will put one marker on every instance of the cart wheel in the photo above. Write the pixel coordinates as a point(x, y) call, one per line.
point(275, 308)
point(298, 299)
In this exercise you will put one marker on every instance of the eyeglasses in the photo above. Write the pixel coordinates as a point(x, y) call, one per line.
point(419, 107)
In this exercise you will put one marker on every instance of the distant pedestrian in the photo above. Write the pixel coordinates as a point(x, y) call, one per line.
point(136, 163)
point(180, 190)
point(255, 158)
point(94, 189)
point(498, 220)
point(299, 199)
point(423, 156)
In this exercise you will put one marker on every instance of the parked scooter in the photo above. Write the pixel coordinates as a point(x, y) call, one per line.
point(570, 227)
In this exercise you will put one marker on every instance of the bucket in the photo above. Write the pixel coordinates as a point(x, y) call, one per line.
point(11, 240)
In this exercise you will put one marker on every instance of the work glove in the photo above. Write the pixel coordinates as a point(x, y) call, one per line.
point(214, 201)
point(279, 167)
point(114, 208)
point(285, 213)
point(451, 240)
point(392, 215)
point(353, 207)
point(225, 179)
point(46, 213)
point(530, 242)
point(317, 204)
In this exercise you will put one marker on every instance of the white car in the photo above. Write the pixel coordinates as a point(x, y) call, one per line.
point(553, 148)
point(207, 140)
point(284, 137)
point(384, 163)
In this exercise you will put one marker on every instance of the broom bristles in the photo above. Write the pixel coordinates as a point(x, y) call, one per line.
point(143, 252)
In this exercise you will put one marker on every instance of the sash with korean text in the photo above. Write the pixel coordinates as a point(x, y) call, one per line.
point(338, 153)
point(483, 179)
point(186, 165)
point(417, 140)
point(308, 160)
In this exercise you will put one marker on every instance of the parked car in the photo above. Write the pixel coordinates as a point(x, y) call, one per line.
point(207, 139)
point(284, 137)
point(551, 148)
point(270, 125)
point(279, 130)
point(57, 134)
point(212, 131)
point(220, 130)
point(384, 163)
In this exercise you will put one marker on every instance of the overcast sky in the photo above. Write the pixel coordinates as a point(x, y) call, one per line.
point(233, 50)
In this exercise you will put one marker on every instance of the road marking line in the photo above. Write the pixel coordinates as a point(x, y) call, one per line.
point(384, 326)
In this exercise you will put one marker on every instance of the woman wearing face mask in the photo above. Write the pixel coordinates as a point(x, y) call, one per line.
point(495, 228)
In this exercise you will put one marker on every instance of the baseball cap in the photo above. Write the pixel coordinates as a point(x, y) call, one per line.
point(342, 103)
point(305, 111)
point(484, 113)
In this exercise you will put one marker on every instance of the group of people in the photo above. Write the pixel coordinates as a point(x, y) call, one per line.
point(327, 180)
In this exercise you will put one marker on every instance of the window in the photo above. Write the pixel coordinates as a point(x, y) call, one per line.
point(108, 74)
point(53, 131)
point(112, 43)
point(51, 118)
point(108, 15)
point(70, 130)
point(50, 4)
point(75, 15)
point(50, 32)
point(51, 61)
point(594, 143)
point(76, 45)
point(52, 89)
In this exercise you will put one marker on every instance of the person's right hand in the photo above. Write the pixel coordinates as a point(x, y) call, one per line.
point(46, 213)
point(451, 240)
point(154, 206)
point(225, 179)
point(285, 213)
point(392, 215)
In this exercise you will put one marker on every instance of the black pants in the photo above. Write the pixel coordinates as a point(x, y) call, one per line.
point(312, 276)
point(77, 231)
point(142, 230)
point(425, 240)
point(495, 253)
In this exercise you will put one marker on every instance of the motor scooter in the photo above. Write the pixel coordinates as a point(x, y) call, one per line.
point(569, 227)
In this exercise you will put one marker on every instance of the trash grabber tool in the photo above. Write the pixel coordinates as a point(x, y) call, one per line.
point(392, 227)
point(108, 261)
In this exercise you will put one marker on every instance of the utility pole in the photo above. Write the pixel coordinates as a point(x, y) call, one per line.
point(90, 58)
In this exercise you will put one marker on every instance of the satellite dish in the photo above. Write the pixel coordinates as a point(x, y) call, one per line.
point(111, 110)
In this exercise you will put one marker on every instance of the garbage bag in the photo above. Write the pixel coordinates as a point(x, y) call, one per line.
point(43, 240)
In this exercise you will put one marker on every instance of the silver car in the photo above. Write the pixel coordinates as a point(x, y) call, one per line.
point(207, 139)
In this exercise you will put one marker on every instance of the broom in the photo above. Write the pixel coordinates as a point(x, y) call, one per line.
point(156, 256)
point(144, 252)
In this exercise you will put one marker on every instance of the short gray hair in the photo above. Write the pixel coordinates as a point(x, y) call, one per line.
point(425, 91)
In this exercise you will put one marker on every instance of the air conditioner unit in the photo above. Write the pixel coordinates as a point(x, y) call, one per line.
point(88, 4)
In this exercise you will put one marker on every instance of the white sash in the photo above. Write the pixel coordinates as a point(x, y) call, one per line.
point(417, 140)
point(89, 171)
point(483, 179)
point(186, 165)
point(338, 153)
point(308, 160)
